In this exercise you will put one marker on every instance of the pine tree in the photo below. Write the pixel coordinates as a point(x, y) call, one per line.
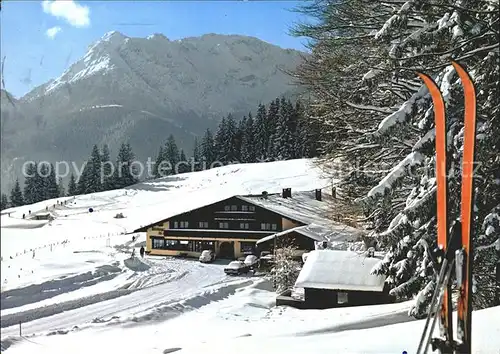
point(282, 139)
point(83, 179)
point(159, 168)
point(106, 169)
point(72, 187)
point(90, 181)
point(184, 165)
point(238, 139)
point(208, 154)
point(313, 136)
point(16, 195)
point(248, 143)
point(271, 124)
point(52, 190)
point(5, 202)
point(172, 155)
point(197, 155)
point(95, 170)
point(60, 188)
point(220, 141)
point(302, 132)
point(125, 174)
point(261, 133)
point(42, 179)
point(30, 189)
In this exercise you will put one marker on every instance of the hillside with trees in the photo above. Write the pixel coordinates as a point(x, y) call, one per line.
point(279, 131)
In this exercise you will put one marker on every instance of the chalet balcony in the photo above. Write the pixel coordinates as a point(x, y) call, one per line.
point(212, 234)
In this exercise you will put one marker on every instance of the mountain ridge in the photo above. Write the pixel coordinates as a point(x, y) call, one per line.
point(140, 90)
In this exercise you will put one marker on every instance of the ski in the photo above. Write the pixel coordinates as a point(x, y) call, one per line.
point(454, 251)
point(446, 325)
point(464, 255)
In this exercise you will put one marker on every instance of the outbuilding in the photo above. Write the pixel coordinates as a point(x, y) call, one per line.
point(333, 278)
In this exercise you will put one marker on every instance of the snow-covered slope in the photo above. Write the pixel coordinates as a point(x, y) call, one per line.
point(140, 204)
point(246, 321)
point(79, 292)
point(148, 202)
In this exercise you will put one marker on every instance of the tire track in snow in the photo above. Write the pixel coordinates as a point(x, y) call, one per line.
point(132, 304)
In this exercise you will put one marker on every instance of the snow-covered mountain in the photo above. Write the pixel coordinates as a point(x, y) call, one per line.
point(143, 89)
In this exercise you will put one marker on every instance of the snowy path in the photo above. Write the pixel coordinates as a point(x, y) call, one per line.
point(195, 278)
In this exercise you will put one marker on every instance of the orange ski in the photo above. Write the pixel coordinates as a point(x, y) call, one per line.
point(442, 194)
point(464, 307)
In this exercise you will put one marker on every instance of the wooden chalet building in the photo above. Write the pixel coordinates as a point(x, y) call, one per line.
point(232, 227)
point(337, 279)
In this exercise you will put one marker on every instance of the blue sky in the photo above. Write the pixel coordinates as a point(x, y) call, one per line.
point(40, 39)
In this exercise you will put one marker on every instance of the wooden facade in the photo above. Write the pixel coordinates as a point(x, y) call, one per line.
point(230, 227)
point(326, 298)
point(320, 299)
point(295, 239)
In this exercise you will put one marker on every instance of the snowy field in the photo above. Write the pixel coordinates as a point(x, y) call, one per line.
point(246, 321)
point(72, 286)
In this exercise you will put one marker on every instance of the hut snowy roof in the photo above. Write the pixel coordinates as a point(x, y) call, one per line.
point(339, 270)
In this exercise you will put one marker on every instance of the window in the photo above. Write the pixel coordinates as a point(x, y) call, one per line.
point(244, 208)
point(158, 243)
point(244, 226)
point(200, 246)
point(223, 225)
point(203, 224)
point(265, 226)
point(177, 245)
point(251, 207)
point(234, 207)
point(247, 247)
point(227, 207)
point(274, 227)
point(184, 224)
point(176, 225)
point(342, 298)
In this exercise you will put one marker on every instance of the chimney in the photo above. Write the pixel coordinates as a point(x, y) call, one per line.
point(318, 194)
point(286, 193)
point(264, 195)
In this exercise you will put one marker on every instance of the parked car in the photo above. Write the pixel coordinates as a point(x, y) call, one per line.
point(207, 256)
point(251, 261)
point(236, 268)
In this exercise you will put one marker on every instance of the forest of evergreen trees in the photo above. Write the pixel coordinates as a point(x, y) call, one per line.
point(99, 174)
point(278, 132)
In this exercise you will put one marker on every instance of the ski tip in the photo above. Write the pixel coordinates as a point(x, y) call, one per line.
point(422, 75)
point(461, 70)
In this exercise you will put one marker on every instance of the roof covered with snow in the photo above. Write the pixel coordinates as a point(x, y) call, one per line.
point(301, 206)
point(164, 198)
point(339, 270)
